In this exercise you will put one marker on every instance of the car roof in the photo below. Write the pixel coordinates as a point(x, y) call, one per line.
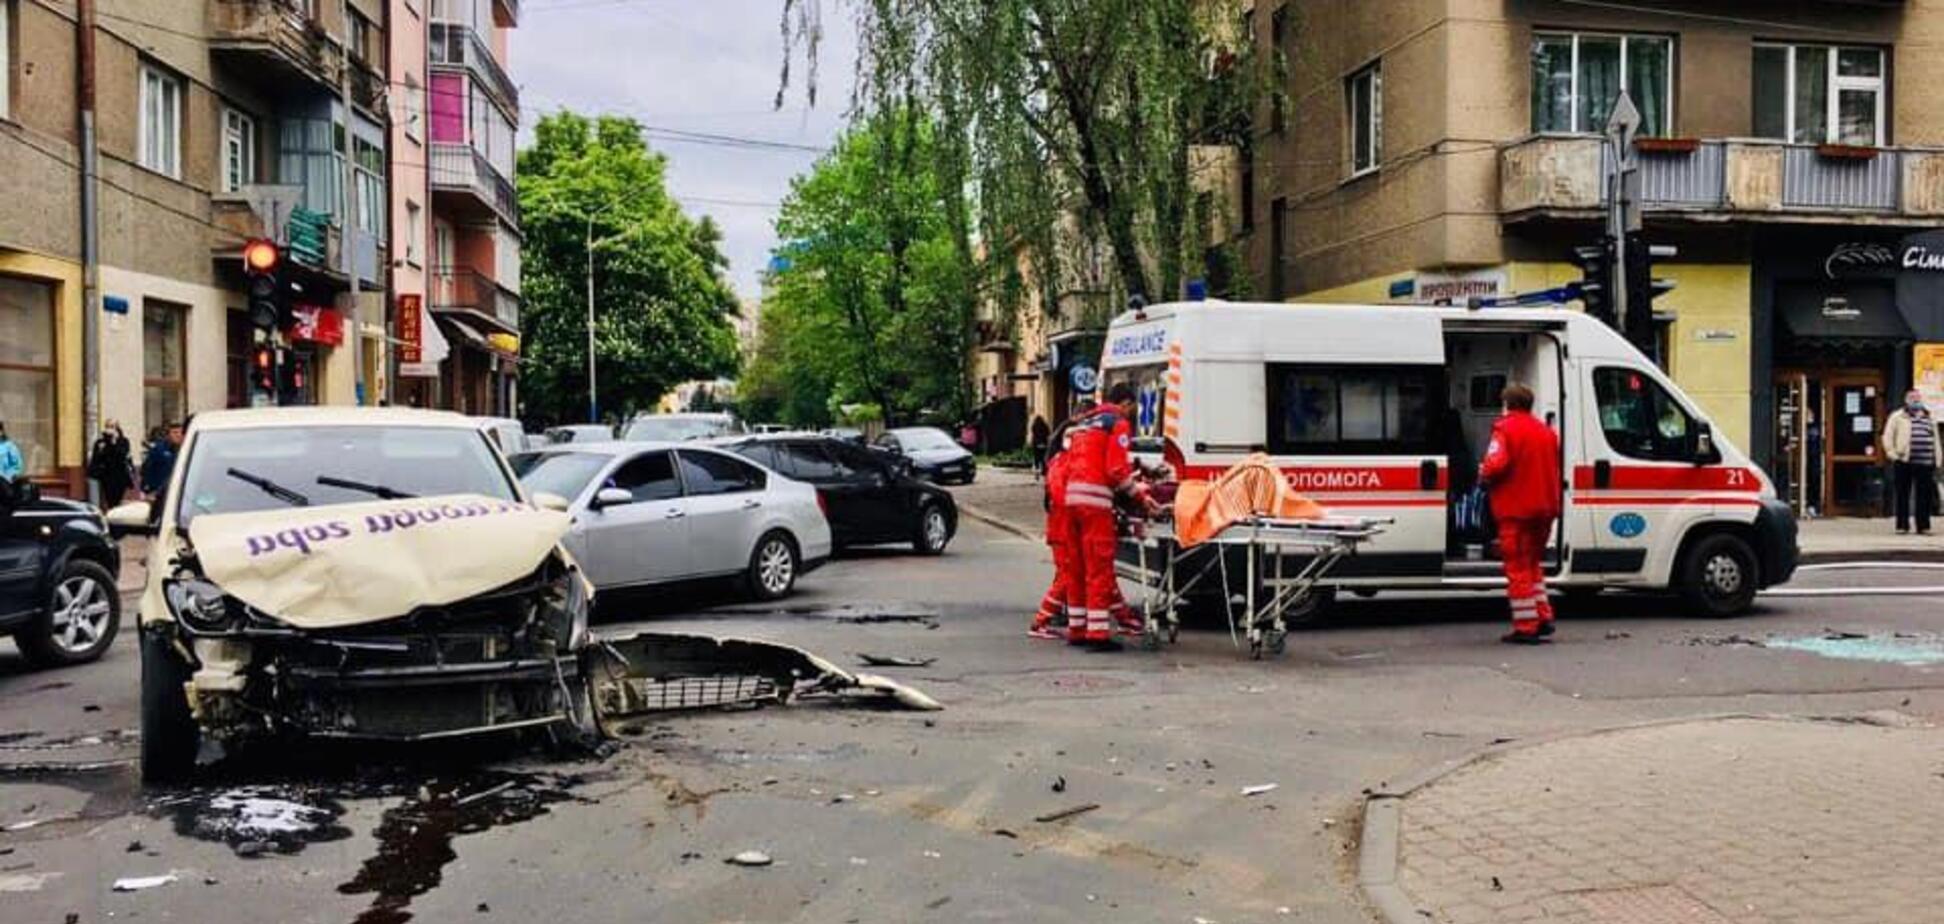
point(737, 439)
point(329, 416)
point(687, 415)
point(619, 448)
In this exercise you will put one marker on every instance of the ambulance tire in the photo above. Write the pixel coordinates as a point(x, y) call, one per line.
point(1718, 576)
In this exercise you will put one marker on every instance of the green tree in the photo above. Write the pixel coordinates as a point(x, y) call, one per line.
point(662, 304)
point(871, 301)
point(1072, 118)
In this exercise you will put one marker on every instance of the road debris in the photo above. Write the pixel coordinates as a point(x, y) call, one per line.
point(25, 882)
point(1260, 788)
point(1066, 813)
point(878, 660)
point(750, 858)
point(653, 672)
point(138, 883)
point(1059, 784)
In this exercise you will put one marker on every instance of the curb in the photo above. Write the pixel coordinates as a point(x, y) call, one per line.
point(1383, 821)
point(1833, 557)
point(999, 523)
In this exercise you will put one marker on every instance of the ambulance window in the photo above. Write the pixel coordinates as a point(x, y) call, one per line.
point(1640, 418)
point(1150, 401)
point(1351, 410)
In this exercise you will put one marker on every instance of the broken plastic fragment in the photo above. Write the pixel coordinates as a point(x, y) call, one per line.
point(751, 858)
point(1259, 789)
point(138, 883)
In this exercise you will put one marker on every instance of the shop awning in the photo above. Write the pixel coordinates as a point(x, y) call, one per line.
point(1841, 313)
point(464, 334)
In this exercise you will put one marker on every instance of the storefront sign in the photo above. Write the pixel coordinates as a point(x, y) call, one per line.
point(411, 333)
point(1458, 288)
point(1927, 372)
point(1858, 256)
point(1714, 335)
point(317, 324)
point(1920, 284)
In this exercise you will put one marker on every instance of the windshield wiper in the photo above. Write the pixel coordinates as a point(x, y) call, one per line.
point(377, 489)
point(269, 487)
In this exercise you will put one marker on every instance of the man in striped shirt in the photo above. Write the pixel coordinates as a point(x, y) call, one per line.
point(1911, 440)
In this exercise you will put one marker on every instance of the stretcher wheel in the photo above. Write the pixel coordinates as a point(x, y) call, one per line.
point(1278, 641)
point(1151, 640)
point(1174, 631)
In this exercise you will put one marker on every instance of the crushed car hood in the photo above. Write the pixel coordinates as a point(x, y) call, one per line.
point(350, 564)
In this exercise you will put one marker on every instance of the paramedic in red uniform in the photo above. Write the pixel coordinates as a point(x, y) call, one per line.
point(1521, 475)
point(1097, 468)
point(1050, 621)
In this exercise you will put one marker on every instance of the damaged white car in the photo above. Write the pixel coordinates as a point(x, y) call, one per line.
point(380, 574)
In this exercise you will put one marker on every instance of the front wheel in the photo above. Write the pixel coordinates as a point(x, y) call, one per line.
point(934, 531)
point(82, 614)
point(773, 567)
point(1718, 576)
point(170, 736)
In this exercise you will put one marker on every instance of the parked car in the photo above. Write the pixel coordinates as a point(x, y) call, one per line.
point(847, 434)
point(933, 455)
point(770, 428)
point(58, 569)
point(868, 497)
point(655, 513)
point(579, 433)
point(362, 573)
point(676, 428)
point(508, 434)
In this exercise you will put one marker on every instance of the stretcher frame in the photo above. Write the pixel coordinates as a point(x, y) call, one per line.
point(1321, 543)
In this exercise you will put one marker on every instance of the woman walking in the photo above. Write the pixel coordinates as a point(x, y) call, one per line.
point(111, 465)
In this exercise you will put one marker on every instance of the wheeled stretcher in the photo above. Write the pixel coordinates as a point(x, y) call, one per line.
point(1283, 560)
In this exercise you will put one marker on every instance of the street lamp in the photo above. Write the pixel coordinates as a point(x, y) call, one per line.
point(593, 402)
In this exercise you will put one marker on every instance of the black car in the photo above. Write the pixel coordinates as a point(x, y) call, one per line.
point(868, 498)
point(58, 597)
point(933, 455)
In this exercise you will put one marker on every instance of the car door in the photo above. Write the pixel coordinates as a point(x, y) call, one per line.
point(642, 541)
point(21, 548)
point(1642, 483)
point(810, 461)
point(725, 501)
point(877, 509)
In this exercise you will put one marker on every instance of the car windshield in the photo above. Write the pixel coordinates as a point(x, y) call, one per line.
point(676, 429)
point(562, 473)
point(924, 439)
point(237, 471)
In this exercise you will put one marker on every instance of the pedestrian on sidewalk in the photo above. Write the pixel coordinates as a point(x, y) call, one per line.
point(111, 464)
point(158, 460)
point(11, 465)
point(1521, 474)
point(1040, 436)
point(1911, 439)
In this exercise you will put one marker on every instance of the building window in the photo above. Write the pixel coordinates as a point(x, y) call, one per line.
point(161, 122)
point(1278, 286)
point(1817, 94)
point(414, 232)
point(27, 370)
point(1576, 78)
point(414, 110)
point(164, 343)
point(368, 163)
point(360, 39)
point(239, 150)
point(1279, 97)
point(1366, 92)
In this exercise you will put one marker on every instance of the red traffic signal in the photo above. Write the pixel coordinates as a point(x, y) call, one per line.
point(260, 256)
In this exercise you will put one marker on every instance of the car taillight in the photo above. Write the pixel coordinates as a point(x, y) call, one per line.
point(823, 506)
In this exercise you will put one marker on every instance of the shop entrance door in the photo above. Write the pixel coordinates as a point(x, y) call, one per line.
point(1826, 458)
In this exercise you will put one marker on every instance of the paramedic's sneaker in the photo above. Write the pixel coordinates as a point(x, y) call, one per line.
point(1045, 632)
point(1546, 629)
point(1104, 644)
point(1524, 638)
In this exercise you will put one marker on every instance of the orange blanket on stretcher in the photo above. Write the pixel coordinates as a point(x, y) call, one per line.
point(1252, 487)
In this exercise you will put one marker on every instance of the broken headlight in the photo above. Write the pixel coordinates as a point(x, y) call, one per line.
point(200, 605)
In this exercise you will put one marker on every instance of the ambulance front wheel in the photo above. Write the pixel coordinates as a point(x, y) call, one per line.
point(1718, 576)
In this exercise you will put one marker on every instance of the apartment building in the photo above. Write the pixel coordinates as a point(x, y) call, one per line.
point(216, 121)
point(1432, 149)
point(456, 271)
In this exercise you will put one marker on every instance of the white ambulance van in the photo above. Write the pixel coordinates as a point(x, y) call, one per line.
point(1386, 411)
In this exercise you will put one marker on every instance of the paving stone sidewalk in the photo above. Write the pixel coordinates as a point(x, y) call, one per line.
point(1745, 821)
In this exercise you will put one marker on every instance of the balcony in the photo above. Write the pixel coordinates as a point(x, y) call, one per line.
point(1560, 176)
point(451, 44)
point(310, 239)
point(477, 296)
point(471, 186)
point(275, 39)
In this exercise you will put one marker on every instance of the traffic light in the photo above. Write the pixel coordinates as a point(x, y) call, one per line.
point(263, 370)
point(290, 374)
point(263, 274)
point(1643, 288)
point(1596, 279)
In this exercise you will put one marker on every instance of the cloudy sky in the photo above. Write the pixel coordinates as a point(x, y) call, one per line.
point(707, 66)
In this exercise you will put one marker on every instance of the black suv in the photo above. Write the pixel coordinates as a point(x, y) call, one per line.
point(58, 597)
point(868, 497)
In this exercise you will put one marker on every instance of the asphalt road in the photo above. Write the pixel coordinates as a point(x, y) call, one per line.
point(873, 815)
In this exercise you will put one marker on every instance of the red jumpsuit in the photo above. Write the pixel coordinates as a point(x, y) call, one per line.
point(1521, 474)
point(1053, 609)
point(1098, 467)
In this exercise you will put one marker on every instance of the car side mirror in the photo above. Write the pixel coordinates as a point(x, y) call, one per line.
point(1705, 452)
point(25, 492)
point(131, 519)
point(612, 497)
point(547, 500)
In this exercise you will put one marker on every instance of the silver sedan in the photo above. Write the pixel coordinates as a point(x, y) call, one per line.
point(654, 513)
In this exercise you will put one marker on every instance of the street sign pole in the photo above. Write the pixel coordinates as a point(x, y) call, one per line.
point(1622, 188)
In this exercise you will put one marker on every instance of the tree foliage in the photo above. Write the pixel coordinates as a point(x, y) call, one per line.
point(869, 301)
point(1072, 119)
point(662, 304)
